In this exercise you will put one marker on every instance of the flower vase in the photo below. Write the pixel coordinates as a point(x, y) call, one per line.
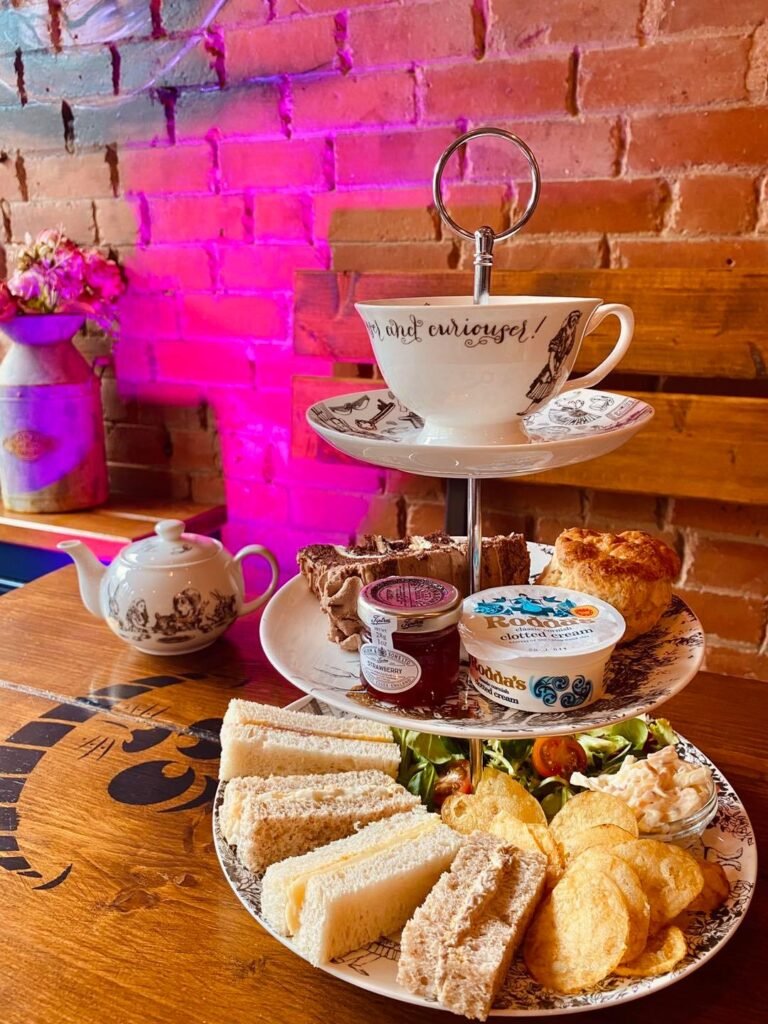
point(52, 456)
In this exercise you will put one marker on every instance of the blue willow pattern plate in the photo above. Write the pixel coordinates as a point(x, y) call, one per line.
point(728, 840)
point(641, 675)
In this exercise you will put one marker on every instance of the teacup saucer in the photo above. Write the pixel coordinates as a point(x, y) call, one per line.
point(376, 427)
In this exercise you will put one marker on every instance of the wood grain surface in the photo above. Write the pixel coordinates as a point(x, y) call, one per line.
point(696, 446)
point(688, 322)
point(112, 903)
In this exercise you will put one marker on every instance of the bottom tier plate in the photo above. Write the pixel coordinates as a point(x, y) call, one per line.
point(729, 840)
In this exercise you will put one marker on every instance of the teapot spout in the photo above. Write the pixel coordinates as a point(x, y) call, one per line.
point(89, 573)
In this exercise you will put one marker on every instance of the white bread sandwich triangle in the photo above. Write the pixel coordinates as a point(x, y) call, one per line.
point(287, 815)
point(357, 889)
point(459, 944)
point(257, 739)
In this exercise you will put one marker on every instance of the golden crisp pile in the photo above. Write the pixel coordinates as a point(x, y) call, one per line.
point(613, 898)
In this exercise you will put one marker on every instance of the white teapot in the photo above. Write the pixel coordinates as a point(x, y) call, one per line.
point(172, 593)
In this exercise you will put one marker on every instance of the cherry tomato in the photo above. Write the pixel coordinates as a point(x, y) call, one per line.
point(558, 755)
point(456, 780)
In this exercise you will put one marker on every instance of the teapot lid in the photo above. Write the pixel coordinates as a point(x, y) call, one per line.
point(170, 548)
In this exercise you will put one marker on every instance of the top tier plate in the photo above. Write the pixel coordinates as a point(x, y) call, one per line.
point(641, 675)
point(376, 427)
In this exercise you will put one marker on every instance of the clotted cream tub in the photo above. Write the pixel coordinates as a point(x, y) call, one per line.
point(540, 649)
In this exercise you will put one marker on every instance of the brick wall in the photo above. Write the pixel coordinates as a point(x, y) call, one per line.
point(219, 146)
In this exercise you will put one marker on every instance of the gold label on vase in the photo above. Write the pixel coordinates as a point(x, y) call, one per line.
point(29, 445)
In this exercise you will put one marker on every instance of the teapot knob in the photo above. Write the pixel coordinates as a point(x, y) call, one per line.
point(170, 529)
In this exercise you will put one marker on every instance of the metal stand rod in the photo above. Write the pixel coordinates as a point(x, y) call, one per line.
point(475, 762)
point(474, 534)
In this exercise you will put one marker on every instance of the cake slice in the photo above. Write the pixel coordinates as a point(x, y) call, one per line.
point(336, 575)
point(459, 944)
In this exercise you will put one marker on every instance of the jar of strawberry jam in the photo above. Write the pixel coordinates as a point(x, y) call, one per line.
point(410, 650)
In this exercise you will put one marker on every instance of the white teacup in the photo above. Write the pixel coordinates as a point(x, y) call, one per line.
point(472, 372)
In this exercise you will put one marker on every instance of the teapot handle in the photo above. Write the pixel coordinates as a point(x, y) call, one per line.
point(257, 602)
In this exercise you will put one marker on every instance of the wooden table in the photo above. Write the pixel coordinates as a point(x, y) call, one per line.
point(112, 904)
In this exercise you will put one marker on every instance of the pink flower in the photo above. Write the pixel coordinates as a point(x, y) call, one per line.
point(27, 285)
point(8, 307)
point(103, 276)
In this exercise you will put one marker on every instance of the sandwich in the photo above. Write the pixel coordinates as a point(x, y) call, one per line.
point(257, 739)
point(284, 816)
point(459, 944)
point(355, 890)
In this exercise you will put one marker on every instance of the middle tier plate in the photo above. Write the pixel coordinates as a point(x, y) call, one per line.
point(377, 428)
point(641, 675)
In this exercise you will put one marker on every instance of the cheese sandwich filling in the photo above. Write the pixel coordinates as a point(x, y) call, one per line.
point(330, 732)
point(296, 889)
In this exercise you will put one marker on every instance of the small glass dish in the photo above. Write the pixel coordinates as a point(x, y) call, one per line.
point(685, 831)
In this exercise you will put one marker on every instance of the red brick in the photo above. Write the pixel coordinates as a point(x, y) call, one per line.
point(197, 219)
point(65, 176)
point(421, 488)
point(280, 48)
point(165, 62)
point(614, 205)
point(676, 141)
point(284, 8)
point(724, 252)
point(419, 32)
point(473, 205)
point(382, 517)
point(138, 445)
point(194, 449)
point(395, 257)
point(549, 254)
point(579, 148)
point(149, 483)
point(233, 316)
point(9, 178)
point(33, 127)
point(518, 496)
point(337, 214)
point(180, 15)
point(494, 88)
point(352, 100)
point(424, 517)
point(168, 267)
point(527, 24)
point(208, 490)
point(667, 74)
point(74, 215)
point(390, 157)
point(745, 663)
point(716, 204)
point(326, 510)
point(72, 73)
point(719, 517)
point(136, 120)
point(617, 512)
point(293, 162)
point(155, 315)
point(118, 221)
point(253, 111)
point(729, 565)
point(162, 169)
point(252, 500)
point(282, 217)
point(267, 266)
point(134, 361)
point(204, 362)
point(742, 620)
point(373, 225)
point(708, 14)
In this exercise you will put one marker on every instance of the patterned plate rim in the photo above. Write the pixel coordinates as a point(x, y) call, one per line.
point(644, 415)
point(625, 991)
point(533, 724)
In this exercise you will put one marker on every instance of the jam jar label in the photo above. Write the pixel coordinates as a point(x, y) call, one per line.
point(388, 670)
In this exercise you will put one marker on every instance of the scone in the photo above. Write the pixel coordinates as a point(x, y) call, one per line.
point(633, 571)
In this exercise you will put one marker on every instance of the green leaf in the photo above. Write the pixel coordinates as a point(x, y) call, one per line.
point(662, 732)
point(635, 731)
point(432, 748)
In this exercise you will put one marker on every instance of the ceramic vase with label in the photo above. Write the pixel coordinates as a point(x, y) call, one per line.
point(52, 456)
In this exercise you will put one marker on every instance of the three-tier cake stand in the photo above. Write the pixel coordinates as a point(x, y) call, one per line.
point(376, 428)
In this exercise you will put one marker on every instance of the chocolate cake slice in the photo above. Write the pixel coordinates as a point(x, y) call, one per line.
point(336, 575)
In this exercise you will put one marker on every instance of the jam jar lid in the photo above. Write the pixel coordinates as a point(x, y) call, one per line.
point(413, 604)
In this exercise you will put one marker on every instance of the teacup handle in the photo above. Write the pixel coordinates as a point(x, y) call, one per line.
point(257, 602)
point(627, 320)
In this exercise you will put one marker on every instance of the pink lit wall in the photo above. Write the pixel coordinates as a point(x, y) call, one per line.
point(219, 146)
